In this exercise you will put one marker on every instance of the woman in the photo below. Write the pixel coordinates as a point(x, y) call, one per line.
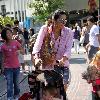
point(11, 64)
point(57, 41)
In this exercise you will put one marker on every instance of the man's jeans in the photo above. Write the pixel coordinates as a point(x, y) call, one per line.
point(12, 77)
point(92, 51)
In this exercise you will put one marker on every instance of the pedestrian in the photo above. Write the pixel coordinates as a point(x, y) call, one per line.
point(94, 38)
point(53, 45)
point(31, 32)
point(17, 35)
point(85, 33)
point(26, 36)
point(76, 40)
point(78, 27)
point(11, 63)
point(16, 23)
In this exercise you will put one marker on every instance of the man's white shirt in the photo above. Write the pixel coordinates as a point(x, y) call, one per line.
point(93, 39)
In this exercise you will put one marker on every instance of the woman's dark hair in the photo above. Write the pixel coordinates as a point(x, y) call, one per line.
point(91, 19)
point(4, 33)
point(31, 29)
point(58, 13)
point(16, 22)
point(8, 25)
point(17, 30)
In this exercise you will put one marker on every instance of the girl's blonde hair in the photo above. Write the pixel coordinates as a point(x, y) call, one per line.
point(95, 58)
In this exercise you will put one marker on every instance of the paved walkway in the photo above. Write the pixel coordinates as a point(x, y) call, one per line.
point(78, 88)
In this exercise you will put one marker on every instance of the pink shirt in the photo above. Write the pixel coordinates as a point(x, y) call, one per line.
point(65, 44)
point(10, 54)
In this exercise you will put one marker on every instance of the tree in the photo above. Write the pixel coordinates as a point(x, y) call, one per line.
point(43, 8)
point(6, 20)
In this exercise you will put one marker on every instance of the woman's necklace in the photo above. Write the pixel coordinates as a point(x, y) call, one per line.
point(55, 39)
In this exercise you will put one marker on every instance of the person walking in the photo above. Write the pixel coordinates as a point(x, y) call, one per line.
point(94, 38)
point(85, 33)
point(53, 46)
point(11, 63)
point(76, 40)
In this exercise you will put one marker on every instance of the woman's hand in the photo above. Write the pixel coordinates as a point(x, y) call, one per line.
point(62, 61)
point(38, 62)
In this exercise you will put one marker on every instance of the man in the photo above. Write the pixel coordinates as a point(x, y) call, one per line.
point(94, 38)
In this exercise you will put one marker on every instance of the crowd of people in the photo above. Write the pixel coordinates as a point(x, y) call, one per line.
point(50, 49)
point(88, 36)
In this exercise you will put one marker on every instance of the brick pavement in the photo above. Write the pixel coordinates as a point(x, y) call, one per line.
point(78, 88)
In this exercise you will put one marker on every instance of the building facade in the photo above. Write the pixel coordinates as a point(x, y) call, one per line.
point(16, 9)
point(75, 4)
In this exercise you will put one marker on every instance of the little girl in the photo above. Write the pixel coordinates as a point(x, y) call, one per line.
point(93, 74)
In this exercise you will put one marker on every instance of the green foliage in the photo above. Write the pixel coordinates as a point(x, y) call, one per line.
point(43, 8)
point(1, 21)
point(6, 20)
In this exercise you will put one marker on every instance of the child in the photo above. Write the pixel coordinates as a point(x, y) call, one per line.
point(11, 63)
point(93, 74)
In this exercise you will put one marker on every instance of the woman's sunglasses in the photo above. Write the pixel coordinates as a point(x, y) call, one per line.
point(63, 21)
